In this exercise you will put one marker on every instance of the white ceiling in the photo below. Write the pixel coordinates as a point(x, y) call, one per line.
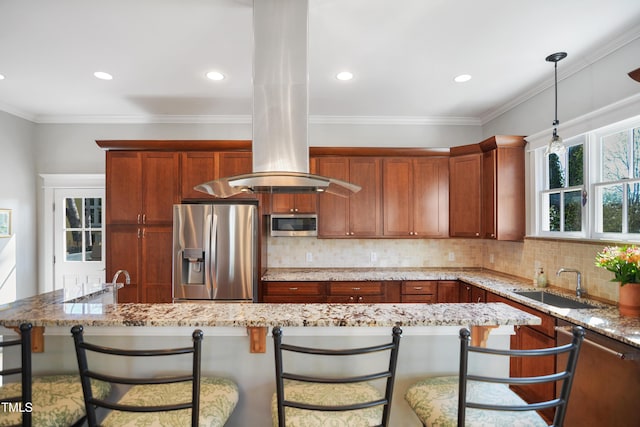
point(404, 54)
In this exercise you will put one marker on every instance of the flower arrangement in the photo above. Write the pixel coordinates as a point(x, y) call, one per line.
point(622, 261)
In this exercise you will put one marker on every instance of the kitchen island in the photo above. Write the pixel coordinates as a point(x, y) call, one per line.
point(429, 345)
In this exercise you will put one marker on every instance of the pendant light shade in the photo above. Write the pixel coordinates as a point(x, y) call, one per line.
point(556, 145)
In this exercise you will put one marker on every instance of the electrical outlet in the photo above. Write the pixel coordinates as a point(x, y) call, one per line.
point(491, 259)
point(309, 257)
point(374, 257)
point(452, 256)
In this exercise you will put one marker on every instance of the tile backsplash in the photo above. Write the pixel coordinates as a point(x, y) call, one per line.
point(515, 258)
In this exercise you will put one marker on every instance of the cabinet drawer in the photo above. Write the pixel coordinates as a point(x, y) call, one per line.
point(293, 288)
point(419, 287)
point(365, 299)
point(414, 298)
point(355, 288)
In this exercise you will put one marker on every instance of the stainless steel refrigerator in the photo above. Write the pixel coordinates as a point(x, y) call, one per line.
point(215, 252)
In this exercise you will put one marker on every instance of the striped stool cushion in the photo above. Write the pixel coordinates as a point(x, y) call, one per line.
point(329, 394)
point(435, 402)
point(218, 398)
point(57, 400)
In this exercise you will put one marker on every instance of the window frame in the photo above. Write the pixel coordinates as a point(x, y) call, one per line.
point(591, 212)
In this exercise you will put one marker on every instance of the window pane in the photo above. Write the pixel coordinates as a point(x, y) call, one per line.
point(556, 172)
point(633, 214)
point(93, 212)
point(552, 222)
point(73, 251)
point(615, 156)
point(73, 207)
point(93, 241)
point(573, 211)
point(576, 165)
point(612, 209)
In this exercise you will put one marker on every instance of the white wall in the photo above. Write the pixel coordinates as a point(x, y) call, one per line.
point(18, 268)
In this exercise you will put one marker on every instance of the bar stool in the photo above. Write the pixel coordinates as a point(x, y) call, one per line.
point(443, 401)
point(314, 400)
point(52, 400)
point(173, 400)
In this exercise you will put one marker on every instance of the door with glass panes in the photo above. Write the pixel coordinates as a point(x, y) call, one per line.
point(79, 233)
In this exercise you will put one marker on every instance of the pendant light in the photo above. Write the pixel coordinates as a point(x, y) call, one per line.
point(555, 145)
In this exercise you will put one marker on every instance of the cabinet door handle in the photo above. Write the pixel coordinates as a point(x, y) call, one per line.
point(360, 299)
point(479, 299)
point(144, 218)
point(138, 220)
point(351, 299)
point(139, 233)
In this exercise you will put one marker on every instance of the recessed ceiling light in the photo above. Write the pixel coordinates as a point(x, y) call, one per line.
point(462, 78)
point(1, 77)
point(102, 75)
point(215, 75)
point(344, 76)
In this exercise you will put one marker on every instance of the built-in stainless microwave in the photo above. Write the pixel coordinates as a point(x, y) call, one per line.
point(294, 225)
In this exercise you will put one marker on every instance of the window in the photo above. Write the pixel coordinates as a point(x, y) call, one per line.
point(83, 229)
point(564, 197)
point(617, 185)
point(593, 190)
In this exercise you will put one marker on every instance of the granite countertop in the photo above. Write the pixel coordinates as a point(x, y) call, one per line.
point(51, 309)
point(604, 319)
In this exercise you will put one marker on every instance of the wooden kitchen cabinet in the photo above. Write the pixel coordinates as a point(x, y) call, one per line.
point(294, 292)
point(145, 252)
point(471, 293)
point(465, 194)
point(415, 197)
point(448, 291)
point(141, 187)
point(359, 292)
point(419, 291)
point(359, 215)
point(503, 204)
point(197, 167)
point(487, 189)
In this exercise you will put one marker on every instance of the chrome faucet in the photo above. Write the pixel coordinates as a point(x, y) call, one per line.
point(579, 290)
point(127, 278)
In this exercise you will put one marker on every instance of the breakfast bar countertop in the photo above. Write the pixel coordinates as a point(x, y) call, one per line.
point(604, 319)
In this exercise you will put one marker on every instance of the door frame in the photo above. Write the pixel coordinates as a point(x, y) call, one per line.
point(46, 230)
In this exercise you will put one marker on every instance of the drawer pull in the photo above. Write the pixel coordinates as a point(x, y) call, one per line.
point(355, 289)
point(293, 289)
point(417, 288)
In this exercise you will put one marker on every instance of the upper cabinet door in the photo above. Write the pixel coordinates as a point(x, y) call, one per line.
point(431, 197)
point(196, 168)
point(160, 176)
point(333, 211)
point(365, 206)
point(124, 190)
point(397, 185)
point(465, 195)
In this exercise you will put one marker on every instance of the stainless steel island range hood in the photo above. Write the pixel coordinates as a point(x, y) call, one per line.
point(280, 108)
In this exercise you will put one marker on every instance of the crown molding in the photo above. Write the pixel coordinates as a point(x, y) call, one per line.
point(588, 59)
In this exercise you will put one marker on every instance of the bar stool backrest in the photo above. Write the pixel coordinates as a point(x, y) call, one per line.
point(564, 374)
point(282, 375)
point(87, 374)
point(24, 370)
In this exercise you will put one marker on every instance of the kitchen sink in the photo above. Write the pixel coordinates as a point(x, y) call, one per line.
point(554, 299)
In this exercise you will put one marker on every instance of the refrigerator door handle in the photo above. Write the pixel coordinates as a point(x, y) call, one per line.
point(207, 253)
point(213, 256)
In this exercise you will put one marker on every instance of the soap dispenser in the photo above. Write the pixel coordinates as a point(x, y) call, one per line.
point(542, 279)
